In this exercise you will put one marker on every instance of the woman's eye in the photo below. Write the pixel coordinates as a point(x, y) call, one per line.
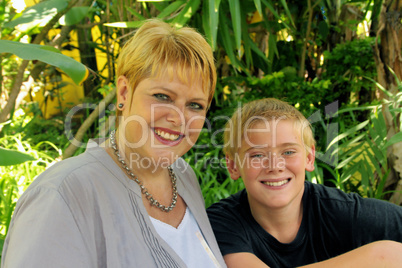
point(257, 156)
point(196, 106)
point(161, 96)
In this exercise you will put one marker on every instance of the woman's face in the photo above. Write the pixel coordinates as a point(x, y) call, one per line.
point(162, 119)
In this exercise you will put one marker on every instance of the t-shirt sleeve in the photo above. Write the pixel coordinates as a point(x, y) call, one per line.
point(43, 233)
point(376, 220)
point(229, 228)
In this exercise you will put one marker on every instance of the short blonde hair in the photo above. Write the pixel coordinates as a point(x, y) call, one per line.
point(257, 111)
point(158, 46)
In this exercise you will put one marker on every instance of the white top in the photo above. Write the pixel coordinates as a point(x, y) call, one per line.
point(195, 253)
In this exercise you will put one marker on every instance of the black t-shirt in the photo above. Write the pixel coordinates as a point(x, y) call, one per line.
point(333, 223)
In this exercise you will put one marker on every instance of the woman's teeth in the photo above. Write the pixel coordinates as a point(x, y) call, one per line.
point(167, 136)
point(276, 183)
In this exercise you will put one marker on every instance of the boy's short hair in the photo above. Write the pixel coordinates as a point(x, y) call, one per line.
point(158, 46)
point(259, 111)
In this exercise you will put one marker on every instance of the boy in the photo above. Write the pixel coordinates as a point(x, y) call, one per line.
point(280, 220)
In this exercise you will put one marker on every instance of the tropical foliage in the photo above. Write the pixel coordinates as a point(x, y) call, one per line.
point(332, 59)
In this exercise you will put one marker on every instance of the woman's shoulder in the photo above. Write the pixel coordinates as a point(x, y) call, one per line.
point(184, 170)
point(76, 170)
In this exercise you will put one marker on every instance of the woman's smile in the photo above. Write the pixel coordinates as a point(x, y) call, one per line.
point(167, 136)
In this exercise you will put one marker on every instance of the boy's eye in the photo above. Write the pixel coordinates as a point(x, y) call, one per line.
point(287, 153)
point(162, 97)
point(257, 156)
point(196, 106)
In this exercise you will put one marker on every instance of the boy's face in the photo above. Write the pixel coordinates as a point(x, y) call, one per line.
point(272, 162)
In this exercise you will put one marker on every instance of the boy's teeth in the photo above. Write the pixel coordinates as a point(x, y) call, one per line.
point(167, 136)
point(276, 183)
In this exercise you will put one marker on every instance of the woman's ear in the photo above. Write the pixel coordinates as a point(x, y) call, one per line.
point(122, 92)
point(232, 168)
point(310, 159)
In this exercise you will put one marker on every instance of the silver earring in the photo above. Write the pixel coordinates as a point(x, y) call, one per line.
point(121, 105)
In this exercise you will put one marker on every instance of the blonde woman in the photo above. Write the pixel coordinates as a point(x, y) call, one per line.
point(130, 201)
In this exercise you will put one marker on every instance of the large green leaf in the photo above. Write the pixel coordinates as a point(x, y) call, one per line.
point(50, 55)
point(258, 6)
point(39, 14)
point(213, 19)
point(188, 11)
point(125, 24)
point(74, 16)
point(173, 7)
point(235, 13)
point(12, 157)
point(227, 41)
point(135, 13)
point(272, 51)
point(394, 139)
point(247, 41)
point(205, 23)
point(350, 131)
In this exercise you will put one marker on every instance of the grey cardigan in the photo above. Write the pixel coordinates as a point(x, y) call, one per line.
point(85, 212)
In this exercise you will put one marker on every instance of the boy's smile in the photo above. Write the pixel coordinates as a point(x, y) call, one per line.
point(272, 162)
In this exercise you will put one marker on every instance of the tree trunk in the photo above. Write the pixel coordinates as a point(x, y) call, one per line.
point(388, 56)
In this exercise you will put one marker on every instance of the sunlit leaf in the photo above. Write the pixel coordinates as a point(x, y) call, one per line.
point(258, 6)
point(188, 11)
point(13, 157)
point(125, 24)
point(394, 139)
point(213, 19)
point(173, 7)
point(350, 131)
point(74, 16)
point(50, 55)
point(38, 15)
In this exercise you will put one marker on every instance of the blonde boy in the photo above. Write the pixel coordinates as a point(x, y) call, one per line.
point(280, 220)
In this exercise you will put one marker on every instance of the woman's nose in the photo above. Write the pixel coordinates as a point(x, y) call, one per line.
point(175, 115)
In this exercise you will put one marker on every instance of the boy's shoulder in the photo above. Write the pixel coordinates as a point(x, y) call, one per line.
point(321, 198)
point(326, 193)
point(230, 205)
point(335, 200)
point(233, 211)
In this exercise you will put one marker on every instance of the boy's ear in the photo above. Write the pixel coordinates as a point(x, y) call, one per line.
point(122, 90)
point(310, 159)
point(232, 168)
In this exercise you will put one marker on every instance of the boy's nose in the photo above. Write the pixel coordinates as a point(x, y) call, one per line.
point(275, 163)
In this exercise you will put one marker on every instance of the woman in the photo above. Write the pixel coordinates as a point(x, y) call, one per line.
point(130, 201)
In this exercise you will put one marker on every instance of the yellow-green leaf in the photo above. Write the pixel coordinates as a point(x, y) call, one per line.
point(50, 55)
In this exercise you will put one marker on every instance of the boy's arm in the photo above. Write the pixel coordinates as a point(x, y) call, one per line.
point(376, 254)
point(242, 260)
